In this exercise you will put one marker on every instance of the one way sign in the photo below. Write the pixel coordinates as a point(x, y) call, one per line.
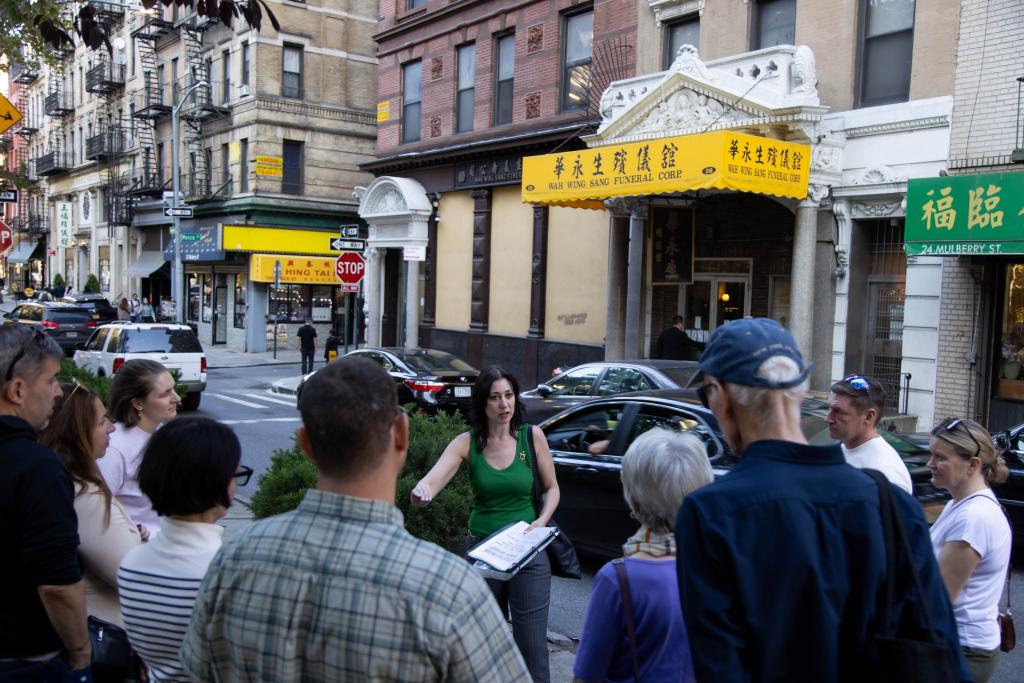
point(338, 244)
point(8, 196)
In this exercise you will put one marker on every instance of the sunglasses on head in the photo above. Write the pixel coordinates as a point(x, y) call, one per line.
point(951, 423)
point(243, 475)
point(36, 336)
point(856, 382)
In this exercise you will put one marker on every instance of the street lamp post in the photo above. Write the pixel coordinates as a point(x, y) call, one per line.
point(176, 275)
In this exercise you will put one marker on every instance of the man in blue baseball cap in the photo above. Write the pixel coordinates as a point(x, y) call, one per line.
point(782, 562)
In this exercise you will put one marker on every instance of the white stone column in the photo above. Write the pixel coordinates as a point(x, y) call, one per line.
point(412, 304)
point(615, 318)
point(373, 304)
point(635, 281)
point(801, 303)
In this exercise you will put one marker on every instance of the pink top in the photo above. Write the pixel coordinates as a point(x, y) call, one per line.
point(120, 469)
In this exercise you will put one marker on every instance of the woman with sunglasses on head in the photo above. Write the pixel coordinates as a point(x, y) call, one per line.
point(971, 537)
point(190, 470)
point(142, 397)
point(78, 433)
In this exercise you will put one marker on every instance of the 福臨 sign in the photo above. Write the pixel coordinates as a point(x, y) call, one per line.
point(722, 160)
point(965, 215)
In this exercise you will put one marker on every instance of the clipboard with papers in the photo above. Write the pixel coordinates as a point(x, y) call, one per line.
point(502, 554)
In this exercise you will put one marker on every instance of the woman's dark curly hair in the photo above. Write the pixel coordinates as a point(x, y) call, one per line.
point(478, 405)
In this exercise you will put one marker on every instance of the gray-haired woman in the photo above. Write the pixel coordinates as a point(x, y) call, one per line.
point(659, 470)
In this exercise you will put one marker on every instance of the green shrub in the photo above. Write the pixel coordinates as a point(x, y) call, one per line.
point(443, 522)
point(101, 385)
point(92, 285)
point(58, 281)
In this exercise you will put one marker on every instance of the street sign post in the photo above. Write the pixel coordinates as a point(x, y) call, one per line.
point(191, 236)
point(6, 237)
point(8, 196)
point(178, 211)
point(277, 314)
point(349, 231)
point(339, 244)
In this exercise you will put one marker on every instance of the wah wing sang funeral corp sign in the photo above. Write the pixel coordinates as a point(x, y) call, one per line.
point(965, 215)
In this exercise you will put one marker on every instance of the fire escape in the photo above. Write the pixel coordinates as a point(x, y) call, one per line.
point(107, 80)
point(23, 166)
point(56, 105)
point(149, 104)
point(197, 111)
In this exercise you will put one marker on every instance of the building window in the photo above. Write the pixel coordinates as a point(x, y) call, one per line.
point(192, 312)
point(245, 63)
point(685, 32)
point(504, 72)
point(208, 179)
point(886, 51)
point(70, 157)
point(413, 4)
point(225, 169)
point(159, 163)
point(290, 303)
point(466, 88)
point(104, 267)
point(576, 58)
point(774, 23)
point(133, 55)
point(241, 281)
point(291, 179)
point(291, 76)
point(174, 80)
point(411, 73)
point(207, 298)
point(322, 303)
point(243, 166)
point(225, 70)
point(160, 84)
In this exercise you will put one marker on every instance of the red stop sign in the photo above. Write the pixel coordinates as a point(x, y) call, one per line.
point(6, 237)
point(350, 267)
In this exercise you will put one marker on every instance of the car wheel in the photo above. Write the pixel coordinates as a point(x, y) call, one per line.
point(191, 401)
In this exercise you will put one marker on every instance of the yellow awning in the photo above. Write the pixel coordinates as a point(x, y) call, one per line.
point(279, 240)
point(723, 160)
point(302, 270)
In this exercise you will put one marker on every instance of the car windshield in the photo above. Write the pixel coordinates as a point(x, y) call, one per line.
point(434, 361)
point(160, 340)
point(680, 375)
point(69, 317)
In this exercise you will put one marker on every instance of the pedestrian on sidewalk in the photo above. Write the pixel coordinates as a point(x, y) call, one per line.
point(43, 635)
point(660, 468)
point(189, 471)
point(783, 562)
point(306, 336)
point(142, 397)
point(855, 405)
point(338, 589)
point(135, 308)
point(972, 537)
point(147, 311)
point(331, 346)
point(124, 310)
point(497, 449)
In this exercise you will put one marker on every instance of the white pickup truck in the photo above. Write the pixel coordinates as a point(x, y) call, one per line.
point(173, 346)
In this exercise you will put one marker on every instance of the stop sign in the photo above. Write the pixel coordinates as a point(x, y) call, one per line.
point(350, 268)
point(6, 237)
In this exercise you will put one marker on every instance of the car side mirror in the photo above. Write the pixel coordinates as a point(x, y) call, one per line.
point(1001, 441)
point(7, 316)
point(544, 390)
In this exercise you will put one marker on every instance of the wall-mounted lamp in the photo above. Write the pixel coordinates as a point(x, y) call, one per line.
point(1017, 155)
point(724, 297)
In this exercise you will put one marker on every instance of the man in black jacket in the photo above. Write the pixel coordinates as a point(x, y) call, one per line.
point(675, 344)
point(43, 634)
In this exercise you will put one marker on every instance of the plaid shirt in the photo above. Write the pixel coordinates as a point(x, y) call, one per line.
point(338, 590)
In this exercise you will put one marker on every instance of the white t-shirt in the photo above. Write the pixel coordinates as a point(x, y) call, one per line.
point(120, 469)
point(977, 520)
point(877, 454)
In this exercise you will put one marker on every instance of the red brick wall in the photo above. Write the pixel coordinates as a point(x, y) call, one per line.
point(440, 33)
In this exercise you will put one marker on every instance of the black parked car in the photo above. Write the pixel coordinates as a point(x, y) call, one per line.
point(1011, 492)
point(433, 380)
point(69, 325)
point(592, 510)
point(606, 378)
point(102, 310)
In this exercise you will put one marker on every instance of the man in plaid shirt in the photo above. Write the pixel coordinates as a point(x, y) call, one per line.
point(338, 590)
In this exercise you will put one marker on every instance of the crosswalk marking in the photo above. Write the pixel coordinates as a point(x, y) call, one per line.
point(281, 401)
point(266, 419)
point(237, 400)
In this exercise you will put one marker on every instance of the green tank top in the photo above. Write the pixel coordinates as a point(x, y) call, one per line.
point(500, 497)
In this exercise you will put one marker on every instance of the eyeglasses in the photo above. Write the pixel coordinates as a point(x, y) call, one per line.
point(702, 394)
point(36, 336)
point(857, 382)
point(78, 385)
point(951, 423)
point(243, 475)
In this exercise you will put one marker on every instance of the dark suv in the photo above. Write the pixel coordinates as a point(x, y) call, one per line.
point(102, 310)
point(69, 325)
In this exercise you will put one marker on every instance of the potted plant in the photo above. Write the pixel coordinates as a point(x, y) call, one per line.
point(1011, 353)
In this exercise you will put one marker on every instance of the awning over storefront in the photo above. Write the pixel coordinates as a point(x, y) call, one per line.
point(147, 263)
point(722, 160)
point(965, 215)
point(197, 244)
point(300, 270)
point(279, 240)
point(23, 252)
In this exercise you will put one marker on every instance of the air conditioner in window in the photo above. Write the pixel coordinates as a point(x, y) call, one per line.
point(243, 91)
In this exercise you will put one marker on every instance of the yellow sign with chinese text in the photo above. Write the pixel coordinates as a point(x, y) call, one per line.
point(300, 270)
point(722, 160)
point(9, 115)
point(280, 240)
point(383, 111)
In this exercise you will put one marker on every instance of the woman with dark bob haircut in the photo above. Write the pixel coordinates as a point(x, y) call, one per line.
point(189, 470)
point(142, 397)
point(496, 449)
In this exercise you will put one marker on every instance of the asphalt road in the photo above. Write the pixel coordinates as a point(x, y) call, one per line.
point(265, 421)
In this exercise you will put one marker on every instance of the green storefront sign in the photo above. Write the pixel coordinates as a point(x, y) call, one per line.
point(965, 215)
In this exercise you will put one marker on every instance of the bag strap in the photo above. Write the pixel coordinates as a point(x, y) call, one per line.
point(892, 527)
point(627, 612)
point(538, 496)
point(1009, 564)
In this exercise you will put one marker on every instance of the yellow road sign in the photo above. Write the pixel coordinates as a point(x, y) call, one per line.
point(8, 114)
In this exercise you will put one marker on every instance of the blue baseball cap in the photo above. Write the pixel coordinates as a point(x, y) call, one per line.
point(737, 349)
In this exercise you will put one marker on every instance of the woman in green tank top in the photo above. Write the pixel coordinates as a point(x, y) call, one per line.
point(497, 451)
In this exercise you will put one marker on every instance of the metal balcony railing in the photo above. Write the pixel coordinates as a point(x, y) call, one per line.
point(24, 74)
point(212, 185)
point(33, 224)
point(108, 10)
point(109, 143)
point(152, 102)
point(58, 104)
point(52, 163)
point(105, 77)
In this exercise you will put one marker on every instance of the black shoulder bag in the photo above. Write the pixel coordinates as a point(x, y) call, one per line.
point(926, 659)
point(561, 552)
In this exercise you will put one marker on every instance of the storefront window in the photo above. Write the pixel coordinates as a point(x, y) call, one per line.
point(69, 272)
point(290, 302)
point(207, 297)
point(193, 297)
point(105, 274)
point(1011, 383)
point(321, 304)
point(241, 280)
